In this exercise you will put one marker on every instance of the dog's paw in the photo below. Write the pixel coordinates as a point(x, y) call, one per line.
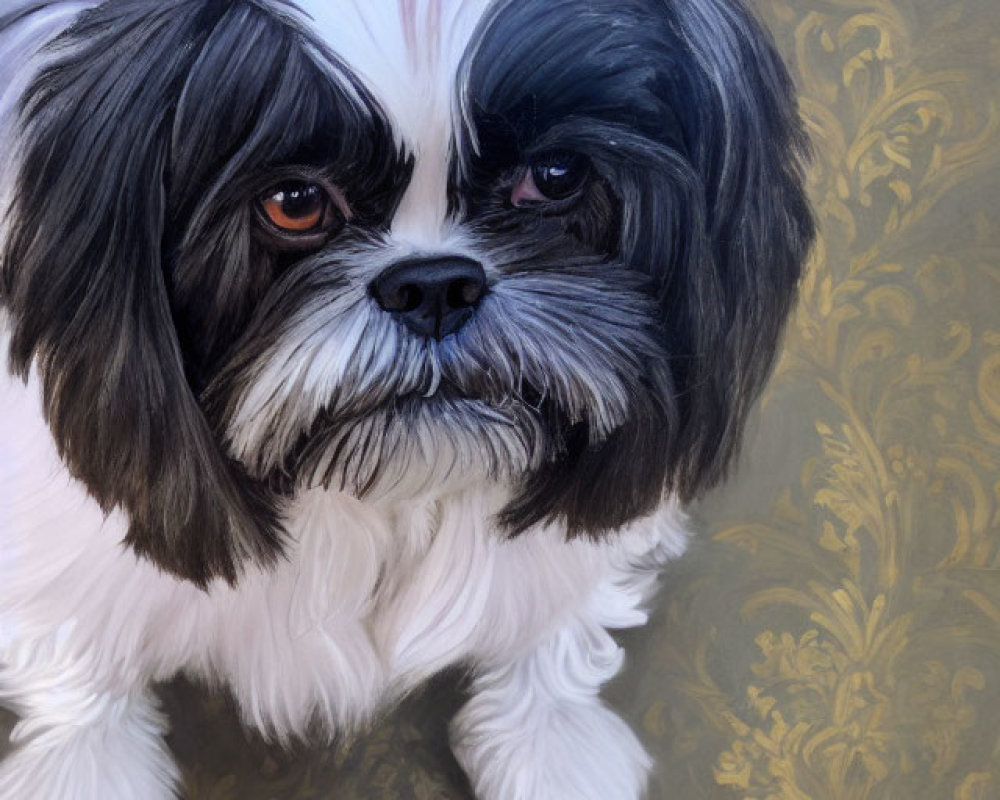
point(89, 763)
point(565, 750)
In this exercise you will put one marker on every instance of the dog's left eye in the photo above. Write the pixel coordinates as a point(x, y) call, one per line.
point(301, 208)
point(551, 177)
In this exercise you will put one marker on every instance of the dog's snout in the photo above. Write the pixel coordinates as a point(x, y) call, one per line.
point(433, 297)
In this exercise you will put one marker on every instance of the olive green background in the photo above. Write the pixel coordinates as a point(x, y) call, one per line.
point(835, 630)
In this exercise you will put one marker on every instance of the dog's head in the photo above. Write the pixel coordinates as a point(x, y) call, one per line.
point(255, 246)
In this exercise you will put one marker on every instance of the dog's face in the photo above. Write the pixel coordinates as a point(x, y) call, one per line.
point(391, 247)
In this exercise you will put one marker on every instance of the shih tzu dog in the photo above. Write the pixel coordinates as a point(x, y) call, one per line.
point(347, 340)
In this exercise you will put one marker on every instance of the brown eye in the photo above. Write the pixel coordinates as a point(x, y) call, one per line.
point(298, 207)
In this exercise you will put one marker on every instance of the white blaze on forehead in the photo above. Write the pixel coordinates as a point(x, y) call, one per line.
point(407, 53)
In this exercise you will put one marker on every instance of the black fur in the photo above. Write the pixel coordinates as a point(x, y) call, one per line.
point(119, 160)
point(691, 118)
point(138, 279)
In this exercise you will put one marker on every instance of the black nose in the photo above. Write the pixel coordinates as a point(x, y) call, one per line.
point(432, 296)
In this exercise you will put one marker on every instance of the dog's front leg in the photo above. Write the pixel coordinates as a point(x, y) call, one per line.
point(84, 733)
point(536, 729)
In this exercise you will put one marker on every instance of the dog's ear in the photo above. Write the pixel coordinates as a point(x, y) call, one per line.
point(87, 294)
point(734, 268)
point(694, 119)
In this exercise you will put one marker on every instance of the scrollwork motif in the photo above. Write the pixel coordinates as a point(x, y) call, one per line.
point(873, 584)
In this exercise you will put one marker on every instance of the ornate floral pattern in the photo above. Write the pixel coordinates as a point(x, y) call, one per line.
point(855, 652)
point(835, 632)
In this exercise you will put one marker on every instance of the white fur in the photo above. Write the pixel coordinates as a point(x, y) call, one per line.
point(409, 54)
point(373, 597)
point(370, 602)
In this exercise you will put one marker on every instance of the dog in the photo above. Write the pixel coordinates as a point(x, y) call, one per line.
point(349, 340)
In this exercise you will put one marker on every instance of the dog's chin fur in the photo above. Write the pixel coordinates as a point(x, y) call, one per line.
point(219, 453)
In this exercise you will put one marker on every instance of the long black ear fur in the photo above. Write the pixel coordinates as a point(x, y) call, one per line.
point(82, 280)
point(727, 299)
point(709, 149)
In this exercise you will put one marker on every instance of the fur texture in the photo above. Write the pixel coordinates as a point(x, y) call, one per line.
point(222, 452)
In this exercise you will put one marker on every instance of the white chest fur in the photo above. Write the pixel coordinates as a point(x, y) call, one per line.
point(369, 601)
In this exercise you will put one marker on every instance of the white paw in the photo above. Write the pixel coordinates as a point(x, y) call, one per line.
point(564, 750)
point(91, 762)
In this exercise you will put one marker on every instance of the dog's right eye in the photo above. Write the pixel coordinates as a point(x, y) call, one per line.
point(296, 207)
point(300, 213)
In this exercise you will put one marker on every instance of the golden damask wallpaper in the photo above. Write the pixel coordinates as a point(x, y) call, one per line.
point(835, 630)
